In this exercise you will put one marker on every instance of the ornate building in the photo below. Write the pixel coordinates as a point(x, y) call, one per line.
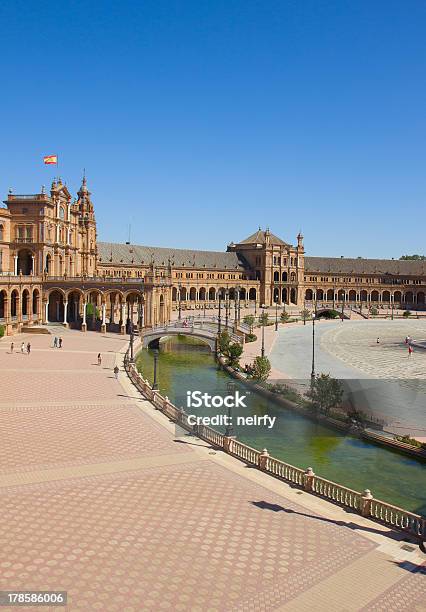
point(53, 269)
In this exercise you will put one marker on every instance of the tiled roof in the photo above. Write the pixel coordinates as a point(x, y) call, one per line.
point(260, 238)
point(179, 258)
point(345, 265)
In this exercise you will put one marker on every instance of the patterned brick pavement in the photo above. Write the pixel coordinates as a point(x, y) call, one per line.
point(182, 528)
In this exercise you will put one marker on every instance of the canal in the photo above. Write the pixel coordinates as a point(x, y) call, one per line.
point(185, 365)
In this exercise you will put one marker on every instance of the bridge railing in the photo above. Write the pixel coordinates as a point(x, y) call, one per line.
point(361, 503)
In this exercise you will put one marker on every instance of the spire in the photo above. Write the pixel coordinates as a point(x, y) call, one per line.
point(300, 239)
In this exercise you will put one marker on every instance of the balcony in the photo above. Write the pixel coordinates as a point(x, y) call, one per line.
point(21, 240)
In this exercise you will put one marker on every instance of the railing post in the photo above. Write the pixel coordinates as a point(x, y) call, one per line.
point(309, 479)
point(263, 459)
point(365, 503)
point(227, 443)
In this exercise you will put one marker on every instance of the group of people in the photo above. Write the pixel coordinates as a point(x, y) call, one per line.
point(408, 342)
point(57, 342)
point(116, 368)
point(24, 349)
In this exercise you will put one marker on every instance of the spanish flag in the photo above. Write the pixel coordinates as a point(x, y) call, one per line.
point(50, 159)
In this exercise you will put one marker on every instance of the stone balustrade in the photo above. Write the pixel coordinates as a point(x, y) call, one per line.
point(362, 503)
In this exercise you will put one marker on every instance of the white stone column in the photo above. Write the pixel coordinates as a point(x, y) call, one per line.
point(33, 265)
point(15, 265)
point(46, 313)
point(103, 314)
point(65, 312)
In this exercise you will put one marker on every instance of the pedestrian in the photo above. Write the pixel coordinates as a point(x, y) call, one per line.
point(12, 346)
point(28, 348)
point(378, 340)
point(410, 350)
point(406, 339)
point(55, 342)
point(60, 342)
point(99, 359)
point(22, 347)
point(116, 371)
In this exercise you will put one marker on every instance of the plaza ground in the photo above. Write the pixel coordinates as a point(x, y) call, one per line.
point(101, 497)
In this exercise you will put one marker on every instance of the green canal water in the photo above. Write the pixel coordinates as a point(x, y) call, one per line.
point(185, 365)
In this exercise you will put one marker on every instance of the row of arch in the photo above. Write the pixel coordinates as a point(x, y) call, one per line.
point(23, 305)
point(397, 297)
point(212, 294)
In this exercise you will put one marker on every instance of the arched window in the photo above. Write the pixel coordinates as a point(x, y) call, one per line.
point(61, 213)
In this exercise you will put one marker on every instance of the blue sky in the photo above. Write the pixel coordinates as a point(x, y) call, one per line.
point(199, 121)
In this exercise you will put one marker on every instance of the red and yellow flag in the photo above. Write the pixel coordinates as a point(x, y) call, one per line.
point(50, 159)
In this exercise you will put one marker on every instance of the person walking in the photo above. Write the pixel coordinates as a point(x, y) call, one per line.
point(12, 346)
point(60, 341)
point(28, 348)
point(116, 371)
point(22, 347)
point(99, 359)
point(378, 341)
point(410, 350)
point(55, 342)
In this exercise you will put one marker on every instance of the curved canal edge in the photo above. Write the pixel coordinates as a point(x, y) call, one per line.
point(362, 503)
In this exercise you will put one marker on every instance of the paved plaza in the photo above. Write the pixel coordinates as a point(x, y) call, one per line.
point(100, 497)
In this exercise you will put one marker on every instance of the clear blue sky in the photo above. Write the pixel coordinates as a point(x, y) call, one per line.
point(197, 121)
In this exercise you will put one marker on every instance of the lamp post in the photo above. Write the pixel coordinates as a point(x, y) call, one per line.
point(180, 303)
point(235, 307)
point(229, 431)
point(226, 308)
point(313, 349)
point(219, 318)
point(263, 331)
point(132, 335)
point(276, 315)
point(155, 382)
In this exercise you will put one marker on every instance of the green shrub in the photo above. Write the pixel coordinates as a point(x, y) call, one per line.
point(251, 337)
point(2, 330)
point(260, 369)
point(374, 311)
point(406, 314)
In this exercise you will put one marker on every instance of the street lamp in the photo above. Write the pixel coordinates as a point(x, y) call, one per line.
point(132, 335)
point(155, 382)
point(226, 307)
point(180, 303)
point(229, 429)
point(263, 330)
point(276, 315)
point(235, 307)
point(313, 349)
point(219, 318)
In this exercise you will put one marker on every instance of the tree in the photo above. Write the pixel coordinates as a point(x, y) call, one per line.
point(326, 392)
point(234, 353)
point(260, 369)
point(413, 257)
point(374, 311)
point(223, 342)
point(406, 314)
point(249, 320)
point(264, 318)
point(305, 314)
point(284, 316)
